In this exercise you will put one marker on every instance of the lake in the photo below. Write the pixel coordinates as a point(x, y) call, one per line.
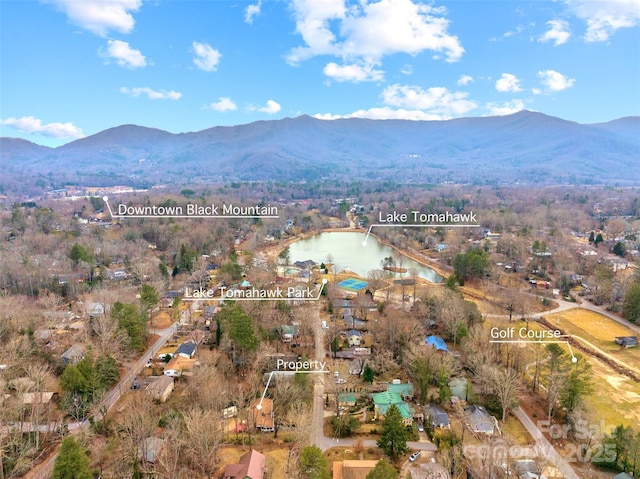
point(348, 253)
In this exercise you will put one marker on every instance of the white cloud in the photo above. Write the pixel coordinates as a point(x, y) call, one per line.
point(223, 104)
point(151, 94)
point(506, 108)
point(464, 80)
point(124, 55)
point(252, 11)
point(272, 107)
point(407, 69)
point(100, 16)
point(30, 124)
point(510, 33)
point(206, 57)
point(436, 100)
point(558, 32)
point(555, 81)
point(353, 72)
point(365, 32)
point(604, 17)
point(383, 113)
point(413, 103)
point(508, 83)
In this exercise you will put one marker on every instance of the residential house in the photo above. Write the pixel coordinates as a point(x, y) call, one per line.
point(436, 342)
point(437, 418)
point(527, 469)
point(73, 355)
point(354, 337)
point(43, 397)
point(458, 387)
point(251, 466)
point(480, 421)
point(178, 365)
point(627, 341)
point(405, 390)
point(623, 475)
point(186, 350)
point(262, 414)
point(288, 332)
point(150, 449)
point(94, 309)
point(352, 469)
point(346, 400)
point(308, 264)
point(383, 401)
point(160, 389)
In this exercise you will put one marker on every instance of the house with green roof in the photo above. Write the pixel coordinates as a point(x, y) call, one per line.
point(383, 401)
point(347, 399)
point(405, 390)
point(288, 332)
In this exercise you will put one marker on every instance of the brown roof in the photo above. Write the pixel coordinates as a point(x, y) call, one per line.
point(252, 465)
point(264, 416)
point(179, 363)
point(351, 469)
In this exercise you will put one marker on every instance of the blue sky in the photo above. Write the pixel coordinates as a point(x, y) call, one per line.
point(72, 68)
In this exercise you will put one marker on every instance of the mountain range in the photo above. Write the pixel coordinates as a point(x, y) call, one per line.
point(525, 147)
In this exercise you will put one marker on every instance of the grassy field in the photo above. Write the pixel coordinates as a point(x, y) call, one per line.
point(616, 399)
point(599, 331)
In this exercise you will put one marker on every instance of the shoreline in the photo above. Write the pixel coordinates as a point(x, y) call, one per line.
point(439, 269)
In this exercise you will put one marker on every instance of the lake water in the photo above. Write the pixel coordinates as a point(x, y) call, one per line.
point(348, 253)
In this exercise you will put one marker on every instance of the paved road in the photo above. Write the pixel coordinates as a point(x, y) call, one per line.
point(544, 447)
point(43, 471)
point(319, 439)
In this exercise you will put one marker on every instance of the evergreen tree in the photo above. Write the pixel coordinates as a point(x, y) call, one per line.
point(130, 320)
point(579, 383)
point(619, 249)
point(368, 374)
point(393, 440)
point(383, 470)
point(599, 239)
point(72, 462)
point(313, 465)
point(149, 297)
point(631, 306)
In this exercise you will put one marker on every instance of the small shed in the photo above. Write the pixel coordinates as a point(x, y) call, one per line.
point(73, 355)
point(161, 388)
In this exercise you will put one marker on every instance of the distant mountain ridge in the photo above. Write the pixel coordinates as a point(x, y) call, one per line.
point(526, 147)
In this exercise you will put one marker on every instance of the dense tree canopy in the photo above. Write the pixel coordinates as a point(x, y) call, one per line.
point(472, 264)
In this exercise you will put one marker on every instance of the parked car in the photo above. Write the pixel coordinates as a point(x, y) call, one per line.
point(240, 428)
point(135, 385)
point(415, 456)
point(420, 428)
